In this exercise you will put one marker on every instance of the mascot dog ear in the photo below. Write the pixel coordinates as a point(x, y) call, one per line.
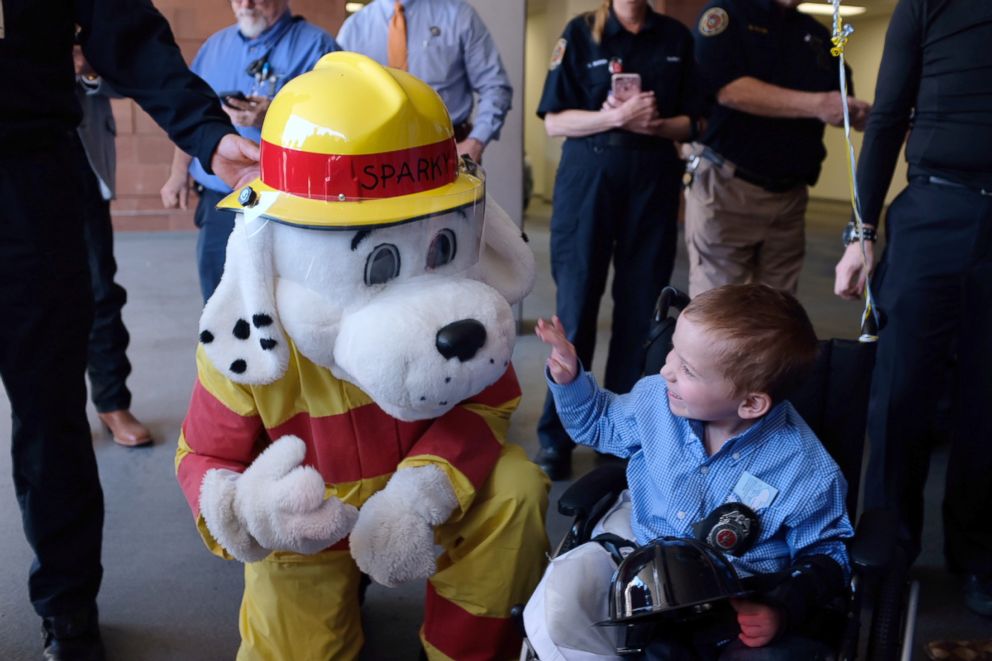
point(506, 263)
point(239, 328)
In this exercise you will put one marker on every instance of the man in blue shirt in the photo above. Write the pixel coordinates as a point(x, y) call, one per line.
point(449, 48)
point(713, 428)
point(255, 57)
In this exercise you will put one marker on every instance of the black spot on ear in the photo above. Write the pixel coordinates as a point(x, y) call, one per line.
point(239, 366)
point(267, 343)
point(206, 337)
point(261, 320)
point(443, 403)
point(523, 235)
point(241, 330)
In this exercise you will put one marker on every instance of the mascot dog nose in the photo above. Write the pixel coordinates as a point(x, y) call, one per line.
point(461, 339)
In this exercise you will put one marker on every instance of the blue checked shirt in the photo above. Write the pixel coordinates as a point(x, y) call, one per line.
point(449, 48)
point(294, 46)
point(673, 483)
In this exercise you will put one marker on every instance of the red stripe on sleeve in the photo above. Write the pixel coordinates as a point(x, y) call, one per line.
point(218, 437)
point(465, 440)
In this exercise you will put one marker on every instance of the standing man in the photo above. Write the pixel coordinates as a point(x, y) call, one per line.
point(252, 59)
point(44, 280)
point(445, 44)
point(934, 281)
point(108, 366)
point(775, 85)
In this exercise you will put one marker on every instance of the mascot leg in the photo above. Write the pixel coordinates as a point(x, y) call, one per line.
point(301, 607)
point(494, 557)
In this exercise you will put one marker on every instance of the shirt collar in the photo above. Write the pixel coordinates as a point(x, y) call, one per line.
point(613, 26)
point(753, 434)
point(273, 32)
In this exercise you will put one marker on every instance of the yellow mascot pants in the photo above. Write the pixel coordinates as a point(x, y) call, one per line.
point(305, 608)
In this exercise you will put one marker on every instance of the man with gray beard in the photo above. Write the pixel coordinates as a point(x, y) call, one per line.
point(246, 64)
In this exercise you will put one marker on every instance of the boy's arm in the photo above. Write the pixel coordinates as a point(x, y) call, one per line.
point(595, 417)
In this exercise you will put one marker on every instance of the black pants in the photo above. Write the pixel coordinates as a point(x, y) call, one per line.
point(108, 366)
point(610, 203)
point(934, 283)
point(48, 307)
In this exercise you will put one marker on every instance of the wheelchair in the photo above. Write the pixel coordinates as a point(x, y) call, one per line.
point(833, 402)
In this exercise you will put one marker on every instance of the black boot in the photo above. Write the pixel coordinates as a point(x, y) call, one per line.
point(556, 462)
point(74, 637)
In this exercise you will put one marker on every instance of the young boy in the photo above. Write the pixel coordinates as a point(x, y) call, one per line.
point(712, 428)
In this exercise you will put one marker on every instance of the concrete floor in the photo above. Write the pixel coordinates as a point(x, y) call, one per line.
point(166, 598)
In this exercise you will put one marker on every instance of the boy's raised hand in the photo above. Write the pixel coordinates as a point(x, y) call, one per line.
point(563, 363)
point(759, 623)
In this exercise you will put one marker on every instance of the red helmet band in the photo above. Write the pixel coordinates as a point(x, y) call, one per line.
point(359, 176)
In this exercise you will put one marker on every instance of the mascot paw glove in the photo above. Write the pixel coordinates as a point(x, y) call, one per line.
point(277, 504)
point(393, 540)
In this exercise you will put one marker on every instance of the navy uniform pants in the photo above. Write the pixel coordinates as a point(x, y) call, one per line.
point(616, 203)
point(934, 283)
point(211, 243)
point(48, 307)
point(108, 366)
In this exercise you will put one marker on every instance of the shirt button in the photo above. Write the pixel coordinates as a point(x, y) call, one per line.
point(704, 470)
point(681, 515)
point(736, 456)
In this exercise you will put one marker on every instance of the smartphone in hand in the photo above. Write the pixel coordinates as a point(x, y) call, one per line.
point(234, 94)
point(626, 85)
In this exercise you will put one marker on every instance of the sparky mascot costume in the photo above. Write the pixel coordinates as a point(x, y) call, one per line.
point(354, 382)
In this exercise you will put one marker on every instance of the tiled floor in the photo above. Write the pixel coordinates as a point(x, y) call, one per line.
point(165, 598)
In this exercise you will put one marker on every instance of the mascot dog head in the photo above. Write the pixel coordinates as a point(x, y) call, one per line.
point(368, 245)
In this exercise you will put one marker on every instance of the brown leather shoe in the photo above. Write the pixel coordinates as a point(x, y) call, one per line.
point(126, 429)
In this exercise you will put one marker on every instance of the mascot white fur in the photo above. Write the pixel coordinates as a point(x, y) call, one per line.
point(354, 380)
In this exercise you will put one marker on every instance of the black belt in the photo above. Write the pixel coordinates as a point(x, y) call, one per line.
point(769, 184)
point(462, 130)
point(625, 140)
point(940, 181)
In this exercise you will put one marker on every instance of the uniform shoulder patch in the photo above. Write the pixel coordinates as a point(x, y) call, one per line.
point(557, 54)
point(713, 21)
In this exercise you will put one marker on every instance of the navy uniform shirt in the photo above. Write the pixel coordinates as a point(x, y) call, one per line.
point(763, 40)
point(580, 77)
point(128, 42)
point(936, 74)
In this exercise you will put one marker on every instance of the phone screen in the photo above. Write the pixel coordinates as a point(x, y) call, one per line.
point(626, 85)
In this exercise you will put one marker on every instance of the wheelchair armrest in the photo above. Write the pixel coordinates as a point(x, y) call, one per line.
point(589, 489)
point(874, 540)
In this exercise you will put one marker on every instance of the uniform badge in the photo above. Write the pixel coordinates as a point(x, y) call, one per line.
point(713, 21)
point(557, 54)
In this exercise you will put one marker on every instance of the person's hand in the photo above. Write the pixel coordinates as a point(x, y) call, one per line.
point(80, 64)
point(235, 160)
point(638, 114)
point(850, 274)
point(831, 111)
point(250, 112)
point(175, 192)
point(860, 110)
point(759, 623)
point(472, 148)
point(563, 363)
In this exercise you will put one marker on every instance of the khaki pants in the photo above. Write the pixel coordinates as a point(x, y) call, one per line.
point(736, 232)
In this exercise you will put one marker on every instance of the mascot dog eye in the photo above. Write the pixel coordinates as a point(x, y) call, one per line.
point(383, 264)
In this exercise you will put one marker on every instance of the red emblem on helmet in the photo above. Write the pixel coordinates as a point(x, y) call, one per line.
point(726, 538)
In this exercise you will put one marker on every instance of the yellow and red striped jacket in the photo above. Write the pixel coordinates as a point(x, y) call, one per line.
point(352, 442)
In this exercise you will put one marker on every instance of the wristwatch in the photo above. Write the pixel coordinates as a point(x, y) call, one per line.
point(851, 233)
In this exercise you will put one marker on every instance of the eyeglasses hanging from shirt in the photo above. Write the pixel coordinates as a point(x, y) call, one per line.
point(262, 71)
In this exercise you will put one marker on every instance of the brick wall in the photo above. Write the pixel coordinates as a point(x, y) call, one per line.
point(144, 152)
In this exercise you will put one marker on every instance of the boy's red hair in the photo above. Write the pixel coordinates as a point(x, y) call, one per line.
point(769, 344)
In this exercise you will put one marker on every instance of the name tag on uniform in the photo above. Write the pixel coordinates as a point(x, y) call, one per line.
point(596, 63)
point(673, 58)
point(753, 492)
